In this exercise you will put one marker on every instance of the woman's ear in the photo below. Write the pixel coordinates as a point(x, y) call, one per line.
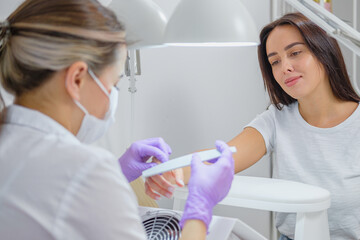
point(75, 77)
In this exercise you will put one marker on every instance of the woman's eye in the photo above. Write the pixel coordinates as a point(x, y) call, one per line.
point(273, 63)
point(295, 53)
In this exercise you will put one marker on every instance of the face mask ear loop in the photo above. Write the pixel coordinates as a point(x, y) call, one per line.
point(98, 82)
point(81, 107)
point(79, 104)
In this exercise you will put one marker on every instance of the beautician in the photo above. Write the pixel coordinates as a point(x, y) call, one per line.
point(62, 60)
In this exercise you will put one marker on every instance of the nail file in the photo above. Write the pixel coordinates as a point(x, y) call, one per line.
point(182, 162)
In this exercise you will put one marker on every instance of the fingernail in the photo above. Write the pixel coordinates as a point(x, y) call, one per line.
point(171, 189)
point(157, 198)
point(180, 182)
point(168, 195)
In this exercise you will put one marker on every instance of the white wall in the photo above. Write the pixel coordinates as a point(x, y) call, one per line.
point(344, 10)
point(194, 96)
point(6, 7)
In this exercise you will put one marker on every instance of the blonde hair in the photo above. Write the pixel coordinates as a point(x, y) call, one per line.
point(44, 36)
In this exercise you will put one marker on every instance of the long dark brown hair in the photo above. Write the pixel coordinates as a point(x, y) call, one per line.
point(325, 49)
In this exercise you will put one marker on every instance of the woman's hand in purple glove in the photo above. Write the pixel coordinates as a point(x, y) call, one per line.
point(208, 185)
point(133, 161)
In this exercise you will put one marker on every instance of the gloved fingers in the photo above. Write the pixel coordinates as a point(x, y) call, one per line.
point(149, 151)
point(224, 149)
point(150, 192)
point(226, 162)
point(195, 162)
point(221, 146)
point(161, 189)
point(159, 143)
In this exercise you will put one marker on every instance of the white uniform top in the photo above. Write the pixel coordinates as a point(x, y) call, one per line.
point(324, 157)
point(54, 187)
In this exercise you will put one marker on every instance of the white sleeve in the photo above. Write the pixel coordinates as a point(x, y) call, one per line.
point(100, 204)
point(265, 124)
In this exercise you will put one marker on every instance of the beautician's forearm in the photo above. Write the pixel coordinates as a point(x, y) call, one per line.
point(194, 230)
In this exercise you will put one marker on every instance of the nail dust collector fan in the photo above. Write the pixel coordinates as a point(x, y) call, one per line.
point(161, 225)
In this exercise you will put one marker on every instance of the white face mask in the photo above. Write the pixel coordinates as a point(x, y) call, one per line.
point(93, 128)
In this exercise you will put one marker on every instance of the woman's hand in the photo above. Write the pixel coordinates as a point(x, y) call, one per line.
point(163, 184)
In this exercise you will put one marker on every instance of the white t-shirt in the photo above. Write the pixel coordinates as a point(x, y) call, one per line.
point(54, 187)
point(324, 157)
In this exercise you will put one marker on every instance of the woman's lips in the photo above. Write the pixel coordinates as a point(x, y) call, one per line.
point(292, 81)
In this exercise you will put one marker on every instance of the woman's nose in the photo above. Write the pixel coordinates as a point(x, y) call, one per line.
point(287, 66)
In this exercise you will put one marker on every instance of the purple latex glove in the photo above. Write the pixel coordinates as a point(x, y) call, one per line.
point(133, 161)
point(208, 185)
